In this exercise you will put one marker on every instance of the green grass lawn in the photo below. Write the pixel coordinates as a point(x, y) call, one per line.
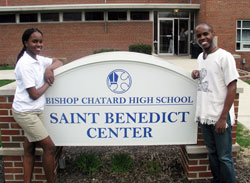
point(5, 82)
point(243, 136)
point(247, 82)
point(6, 67)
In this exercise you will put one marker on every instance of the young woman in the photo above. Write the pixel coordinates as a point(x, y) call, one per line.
point(34, 75)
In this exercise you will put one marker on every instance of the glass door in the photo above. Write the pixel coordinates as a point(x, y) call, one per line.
point(183, 36)
point(166, 42)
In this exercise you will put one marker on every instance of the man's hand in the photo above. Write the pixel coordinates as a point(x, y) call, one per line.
point(221, 126)
point(221, 123)
point(195, 74)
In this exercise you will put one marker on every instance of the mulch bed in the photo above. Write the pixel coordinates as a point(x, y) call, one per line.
point(171, 170)
point(244, 74)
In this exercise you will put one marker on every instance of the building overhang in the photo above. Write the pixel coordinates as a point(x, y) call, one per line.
point(163, 6)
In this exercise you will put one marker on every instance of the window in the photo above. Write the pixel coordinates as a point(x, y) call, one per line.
point(31, 17)
point(117, 15)
point(243, 35)
point(8, 18)
point(94, 16)
point(72, 16)
point(137, 15)
point(179, 14)
point(49, 17)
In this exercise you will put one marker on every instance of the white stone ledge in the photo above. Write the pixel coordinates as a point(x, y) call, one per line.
point(17, 151)
point(193, 149)
point(236, 56)
point(8, 90)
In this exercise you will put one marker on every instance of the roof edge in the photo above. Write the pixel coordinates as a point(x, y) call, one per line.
point(99, 6)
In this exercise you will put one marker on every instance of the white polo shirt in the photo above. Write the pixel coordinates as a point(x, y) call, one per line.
point(29, 73)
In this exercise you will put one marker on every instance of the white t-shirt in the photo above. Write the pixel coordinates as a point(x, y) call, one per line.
point(217, 71)
point(29, 73)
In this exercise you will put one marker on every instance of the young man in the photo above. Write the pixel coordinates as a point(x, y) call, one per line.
point(217, 76)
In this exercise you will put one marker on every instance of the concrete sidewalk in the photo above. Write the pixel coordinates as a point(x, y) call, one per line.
point(188, 64)
point(7, 74)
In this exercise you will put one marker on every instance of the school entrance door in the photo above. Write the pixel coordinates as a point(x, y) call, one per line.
point(173, 36)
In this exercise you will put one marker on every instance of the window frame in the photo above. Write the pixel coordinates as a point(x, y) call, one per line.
point(27, 13)
point(134, 11)
point(50, 21)
point(72, 12)
point(85, 14)
point(10, 14)
point(118, 20)
point(60, 18)
point(240, 36)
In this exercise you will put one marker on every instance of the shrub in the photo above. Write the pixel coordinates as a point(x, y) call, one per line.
point(121, 162)
point(89, 163)
point(104, 50)
point(152, 167)
point(141, 48)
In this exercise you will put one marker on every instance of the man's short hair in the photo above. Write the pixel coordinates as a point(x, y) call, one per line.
point(208, 25)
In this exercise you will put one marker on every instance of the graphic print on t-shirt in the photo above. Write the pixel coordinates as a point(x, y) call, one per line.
point(203, 85)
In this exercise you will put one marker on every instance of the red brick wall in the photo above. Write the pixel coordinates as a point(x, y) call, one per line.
point(8, 125)
point(50, 2)
point(76, 40)
point(223, 15)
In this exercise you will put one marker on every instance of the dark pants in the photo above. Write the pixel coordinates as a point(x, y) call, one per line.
point(220, 153)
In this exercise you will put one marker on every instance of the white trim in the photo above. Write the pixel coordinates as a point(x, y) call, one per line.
point(83, 16)
point(60, 16)
point(17, 18)
point(195, 149)
point(128, 16)
point(19, 151)
point(99, 6)
point(8, 90)
point(151, 16)
point(39, 17)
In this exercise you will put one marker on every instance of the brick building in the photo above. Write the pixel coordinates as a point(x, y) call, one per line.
point(76, 28)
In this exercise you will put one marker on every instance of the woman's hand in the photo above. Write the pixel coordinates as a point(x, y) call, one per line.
point(49, 72)
point(49, 76)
